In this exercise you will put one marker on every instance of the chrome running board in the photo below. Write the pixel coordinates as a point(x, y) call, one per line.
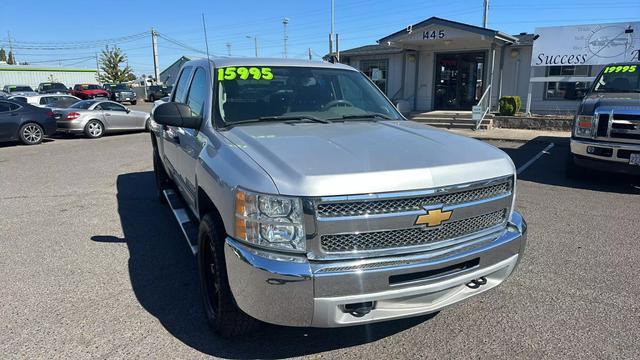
point(182, 213)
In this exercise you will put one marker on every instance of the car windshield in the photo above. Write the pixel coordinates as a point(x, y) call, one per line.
point(90, 87)
point(619, 78)
point(122, 87)
point(20, 88)
point(260, 93)
point(53, 86)
point(84, 104)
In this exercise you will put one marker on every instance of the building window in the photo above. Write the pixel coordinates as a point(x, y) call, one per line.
point(567, 90)
point(376, 70)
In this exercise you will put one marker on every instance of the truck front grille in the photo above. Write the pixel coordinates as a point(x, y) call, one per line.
point(410, 237)
point(386, 206)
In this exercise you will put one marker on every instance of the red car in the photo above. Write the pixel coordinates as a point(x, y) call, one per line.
point(89, 91)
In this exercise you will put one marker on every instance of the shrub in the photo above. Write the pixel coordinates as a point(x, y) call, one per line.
point(509, 105)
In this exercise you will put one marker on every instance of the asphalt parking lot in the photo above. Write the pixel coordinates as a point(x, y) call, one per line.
point(93, 265)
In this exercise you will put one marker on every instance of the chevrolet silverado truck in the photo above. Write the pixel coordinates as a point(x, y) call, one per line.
point(606, 132)
point(310, 201)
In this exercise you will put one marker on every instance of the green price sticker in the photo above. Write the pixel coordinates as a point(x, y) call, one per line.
point(620, 68)
point(244, 73)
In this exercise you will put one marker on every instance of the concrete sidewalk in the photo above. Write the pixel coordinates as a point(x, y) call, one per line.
point(510, 134)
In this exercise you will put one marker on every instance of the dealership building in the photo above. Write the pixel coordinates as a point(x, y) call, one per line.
point(439, 64)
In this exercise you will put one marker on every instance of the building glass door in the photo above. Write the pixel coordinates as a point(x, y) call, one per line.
point(459, 80)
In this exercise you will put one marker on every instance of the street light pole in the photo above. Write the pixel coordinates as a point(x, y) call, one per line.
point(255, 43)
point(285, 22)
point(331, 33)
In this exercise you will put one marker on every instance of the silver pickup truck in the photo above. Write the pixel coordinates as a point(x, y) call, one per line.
point(309, 200)
point(606, 132)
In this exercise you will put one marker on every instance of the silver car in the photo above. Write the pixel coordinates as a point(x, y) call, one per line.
point(95, 117)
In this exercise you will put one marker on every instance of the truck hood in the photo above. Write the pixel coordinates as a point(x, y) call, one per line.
point(308, 159)
point(619, 100)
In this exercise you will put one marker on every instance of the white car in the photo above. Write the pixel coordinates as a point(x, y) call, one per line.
point(60, 101)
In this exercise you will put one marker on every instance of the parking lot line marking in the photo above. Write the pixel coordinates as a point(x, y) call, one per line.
point(535, 158)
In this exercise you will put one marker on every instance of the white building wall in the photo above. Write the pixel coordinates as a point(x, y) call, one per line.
point(33, 77)
point(515, 73)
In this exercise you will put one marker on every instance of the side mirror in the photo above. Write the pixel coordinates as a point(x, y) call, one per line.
point(176, 114)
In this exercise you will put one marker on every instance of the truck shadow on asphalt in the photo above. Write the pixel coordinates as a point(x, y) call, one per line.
point(551, 168)
point(165, 281)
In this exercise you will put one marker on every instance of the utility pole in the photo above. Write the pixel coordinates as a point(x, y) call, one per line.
point(310, 57)
point(331, 33)
point(337, 48)
point(97, 66)
point(154, 46)
point(228, 45)
point(285, 23)
point(485, 17)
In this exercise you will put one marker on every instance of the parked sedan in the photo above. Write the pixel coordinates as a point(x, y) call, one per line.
point(95, 117)
point(25, 122)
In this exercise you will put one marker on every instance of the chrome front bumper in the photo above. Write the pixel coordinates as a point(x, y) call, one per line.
point(293, 291)
point(580, 146)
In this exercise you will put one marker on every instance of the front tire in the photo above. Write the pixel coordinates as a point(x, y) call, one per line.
point(223, 315)
point(31, 134)
point(94, 129)
point(134, 102)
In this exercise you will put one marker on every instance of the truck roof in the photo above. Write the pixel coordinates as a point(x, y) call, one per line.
point(223, 62)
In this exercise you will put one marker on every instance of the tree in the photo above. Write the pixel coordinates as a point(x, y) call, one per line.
point(11, 60)
point(112, 71)
point(3, 55)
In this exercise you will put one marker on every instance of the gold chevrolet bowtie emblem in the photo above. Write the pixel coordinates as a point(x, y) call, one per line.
point(434, 217)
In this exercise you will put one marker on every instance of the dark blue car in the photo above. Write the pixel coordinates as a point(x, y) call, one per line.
point(24, 122)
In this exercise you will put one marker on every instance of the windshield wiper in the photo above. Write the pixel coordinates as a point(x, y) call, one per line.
point(278, 118)
point(366, 116)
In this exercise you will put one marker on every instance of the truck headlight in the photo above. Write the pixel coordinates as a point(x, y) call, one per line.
point(270, 221)
point(583, 126)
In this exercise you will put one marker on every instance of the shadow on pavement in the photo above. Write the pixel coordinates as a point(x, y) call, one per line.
point(165, 281)
point(550, 169)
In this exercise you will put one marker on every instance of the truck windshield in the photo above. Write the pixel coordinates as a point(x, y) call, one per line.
point(20, 88)
point(256, 93)
point(53, 86)
point(122, 87)
point(619, 79)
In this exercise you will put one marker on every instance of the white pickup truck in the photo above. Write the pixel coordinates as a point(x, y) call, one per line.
point(309, 200)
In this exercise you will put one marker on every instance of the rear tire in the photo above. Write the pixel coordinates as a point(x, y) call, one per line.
point(152, 98)
point(31, 134)
point(134, 102)
point(163, 181)
point(223, 315)
point(94, 129)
